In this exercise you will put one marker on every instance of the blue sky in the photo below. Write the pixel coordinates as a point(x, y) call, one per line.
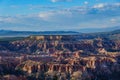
point(45, 15)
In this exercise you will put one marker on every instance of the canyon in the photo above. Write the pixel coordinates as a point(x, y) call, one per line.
point(60, 57)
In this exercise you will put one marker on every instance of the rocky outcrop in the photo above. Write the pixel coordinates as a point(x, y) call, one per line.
point(64, 56)
point(49, 44)
point(13, 77)
point(72, 65)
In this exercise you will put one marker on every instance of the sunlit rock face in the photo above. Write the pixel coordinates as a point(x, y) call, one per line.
point(51, 43)
point(53, 37)
point(94, 63)
point(71, 65)
point(31, 67)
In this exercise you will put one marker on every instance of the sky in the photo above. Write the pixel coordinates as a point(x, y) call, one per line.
point(57, 15)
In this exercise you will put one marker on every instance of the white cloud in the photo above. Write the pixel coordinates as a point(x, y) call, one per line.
point(86, 2)
point(7, 19)
point(61, 0)
point(113, 20)
point(106, 5)
point(71, 18)
point(99, 5)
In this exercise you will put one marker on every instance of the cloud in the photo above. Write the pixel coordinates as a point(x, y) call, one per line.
point(73, 18)
point(44, 7)
point(106, 5)
point(99, 5)
point(86, 2)
point(82, 18)
point(7, 19)
point(61, 0)
point(114, 20)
